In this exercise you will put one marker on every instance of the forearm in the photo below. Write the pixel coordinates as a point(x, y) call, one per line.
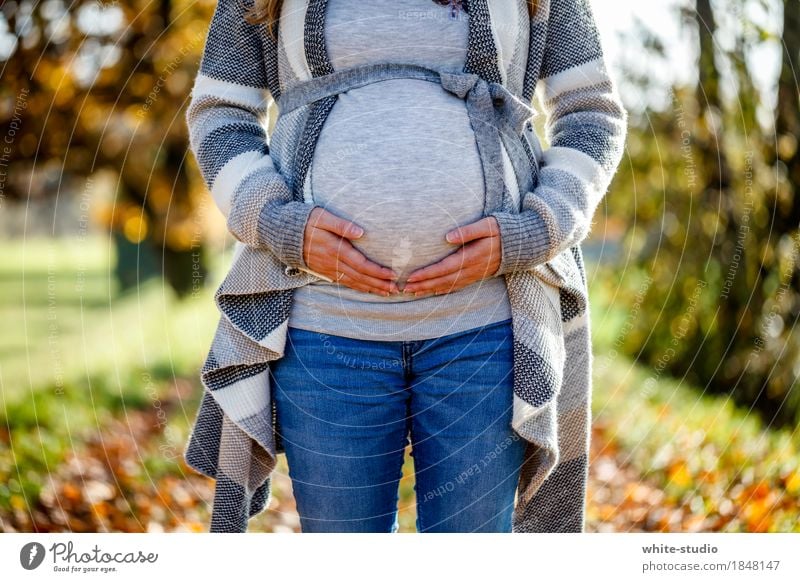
point(227, 137)
point(586, 127)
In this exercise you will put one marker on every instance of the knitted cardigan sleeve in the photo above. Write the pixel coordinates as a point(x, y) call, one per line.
point(586, 125)
point(225, 117)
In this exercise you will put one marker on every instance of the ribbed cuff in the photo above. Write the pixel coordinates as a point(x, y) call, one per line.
point(281, 226)
point(524, 240)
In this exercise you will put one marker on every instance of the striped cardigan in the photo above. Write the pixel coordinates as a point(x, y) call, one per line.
point(543, 201)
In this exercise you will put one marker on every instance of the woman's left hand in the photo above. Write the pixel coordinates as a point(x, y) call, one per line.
point(477, 259)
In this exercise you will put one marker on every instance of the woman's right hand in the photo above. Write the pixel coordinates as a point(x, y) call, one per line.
point(328, 251)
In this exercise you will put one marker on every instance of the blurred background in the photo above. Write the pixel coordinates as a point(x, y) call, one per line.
point(112, 248)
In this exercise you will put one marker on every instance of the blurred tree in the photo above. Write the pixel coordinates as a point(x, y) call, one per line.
point(720, 240)
point(103, 86)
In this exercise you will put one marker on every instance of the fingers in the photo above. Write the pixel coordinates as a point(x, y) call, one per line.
point(480, 253)
point(331, 255)
point(326, 220)
point(360, 263)
point(356, 274)
point(485, 227)
point(445, 284)
point(355, 280)
point(335, 248)
point(452, 263)
point(472, 263)
point(330, 223)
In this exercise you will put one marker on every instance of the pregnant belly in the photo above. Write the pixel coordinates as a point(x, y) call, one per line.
point(399, 158)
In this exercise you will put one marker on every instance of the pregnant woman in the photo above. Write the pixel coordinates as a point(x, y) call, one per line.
point(397, 190)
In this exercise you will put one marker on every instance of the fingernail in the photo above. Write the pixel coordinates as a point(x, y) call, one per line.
point(449, 237)
point(358, 231)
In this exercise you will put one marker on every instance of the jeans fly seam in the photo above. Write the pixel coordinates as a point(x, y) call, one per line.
point(407, 352)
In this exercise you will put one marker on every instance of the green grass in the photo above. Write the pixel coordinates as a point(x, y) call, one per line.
point(65, 322)
point(74, 345)
point(76, 355)
point(701, 449)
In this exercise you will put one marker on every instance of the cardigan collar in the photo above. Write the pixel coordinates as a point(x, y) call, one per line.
point(306, 18)
point(482, 55)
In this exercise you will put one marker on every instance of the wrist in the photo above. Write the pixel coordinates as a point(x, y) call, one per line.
point(524, 241)
point(281, 227)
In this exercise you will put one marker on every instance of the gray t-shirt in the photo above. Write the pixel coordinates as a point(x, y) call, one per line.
point(399, 158)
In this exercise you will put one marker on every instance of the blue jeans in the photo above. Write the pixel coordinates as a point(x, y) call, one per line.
point(346, 409)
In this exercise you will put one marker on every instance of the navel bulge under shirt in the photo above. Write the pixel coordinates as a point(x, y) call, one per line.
point(399, 158)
